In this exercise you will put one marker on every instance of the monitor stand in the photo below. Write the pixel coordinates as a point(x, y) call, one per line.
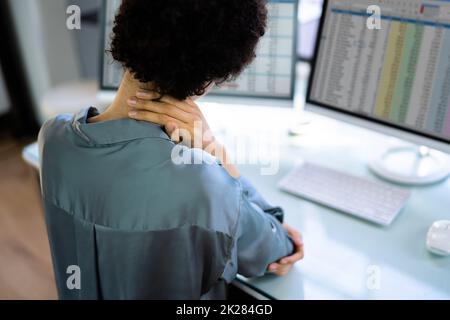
point(412, 165)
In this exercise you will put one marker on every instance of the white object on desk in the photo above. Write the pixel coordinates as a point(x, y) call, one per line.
point(31, 155)
point(370, 200)
point(411, 165)
point(438, 238)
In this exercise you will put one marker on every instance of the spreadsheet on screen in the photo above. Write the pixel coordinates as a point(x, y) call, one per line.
point(272, 73)
point(399, 73)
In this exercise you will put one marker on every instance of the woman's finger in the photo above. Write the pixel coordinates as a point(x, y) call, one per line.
point(273, 267)
point(158, 118)
point(186, 107)
point(297, 240)
point(161, 108)
point(298, 255)
point(191, 102)
point(173, 132)
point(170, 128)
point(291, 231)
point(147, 95)
point(283, 270)
point(173, 127)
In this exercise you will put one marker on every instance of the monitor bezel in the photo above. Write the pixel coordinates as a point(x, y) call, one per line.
point(383, 126)
point(103, 50)
point(103, 54)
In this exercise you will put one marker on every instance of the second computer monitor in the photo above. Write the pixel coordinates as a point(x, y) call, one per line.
point(271, 75)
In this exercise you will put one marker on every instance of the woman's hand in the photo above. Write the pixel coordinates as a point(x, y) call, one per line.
point(183, 122)
point(283, 266)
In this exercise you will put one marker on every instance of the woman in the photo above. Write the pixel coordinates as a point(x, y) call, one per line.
point(134, 222)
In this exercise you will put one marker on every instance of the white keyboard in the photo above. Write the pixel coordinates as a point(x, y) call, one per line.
point(374, 201)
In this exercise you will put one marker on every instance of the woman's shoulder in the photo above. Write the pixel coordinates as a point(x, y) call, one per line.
point(198, 165)
point(54, 128)
point(209, 184)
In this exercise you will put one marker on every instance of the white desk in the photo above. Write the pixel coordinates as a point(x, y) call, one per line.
point(344, 255)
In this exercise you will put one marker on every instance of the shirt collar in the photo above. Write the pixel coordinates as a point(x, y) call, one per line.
point(114, 131)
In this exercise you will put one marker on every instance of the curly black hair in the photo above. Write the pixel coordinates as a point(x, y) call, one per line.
point(182, 46)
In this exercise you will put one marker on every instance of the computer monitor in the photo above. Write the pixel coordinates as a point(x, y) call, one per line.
point(269, 79)
point(395, 79)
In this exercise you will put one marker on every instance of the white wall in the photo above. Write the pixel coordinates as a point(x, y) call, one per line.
point(4, 100)
point(47, 46)
point(88, 40)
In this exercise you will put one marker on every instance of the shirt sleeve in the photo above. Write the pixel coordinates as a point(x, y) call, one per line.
point(257, 199)
point(260, 238)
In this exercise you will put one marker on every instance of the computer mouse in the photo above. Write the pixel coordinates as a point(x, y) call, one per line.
point(438, 238)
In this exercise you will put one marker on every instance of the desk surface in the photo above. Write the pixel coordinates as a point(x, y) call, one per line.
point(346, 258)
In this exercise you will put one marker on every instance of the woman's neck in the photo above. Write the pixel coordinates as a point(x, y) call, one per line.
point(119, 107)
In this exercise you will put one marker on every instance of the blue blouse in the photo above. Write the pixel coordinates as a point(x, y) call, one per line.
point(139, 226)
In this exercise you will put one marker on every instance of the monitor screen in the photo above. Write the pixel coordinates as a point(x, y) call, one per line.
point(396, 72)
point(272, 73)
